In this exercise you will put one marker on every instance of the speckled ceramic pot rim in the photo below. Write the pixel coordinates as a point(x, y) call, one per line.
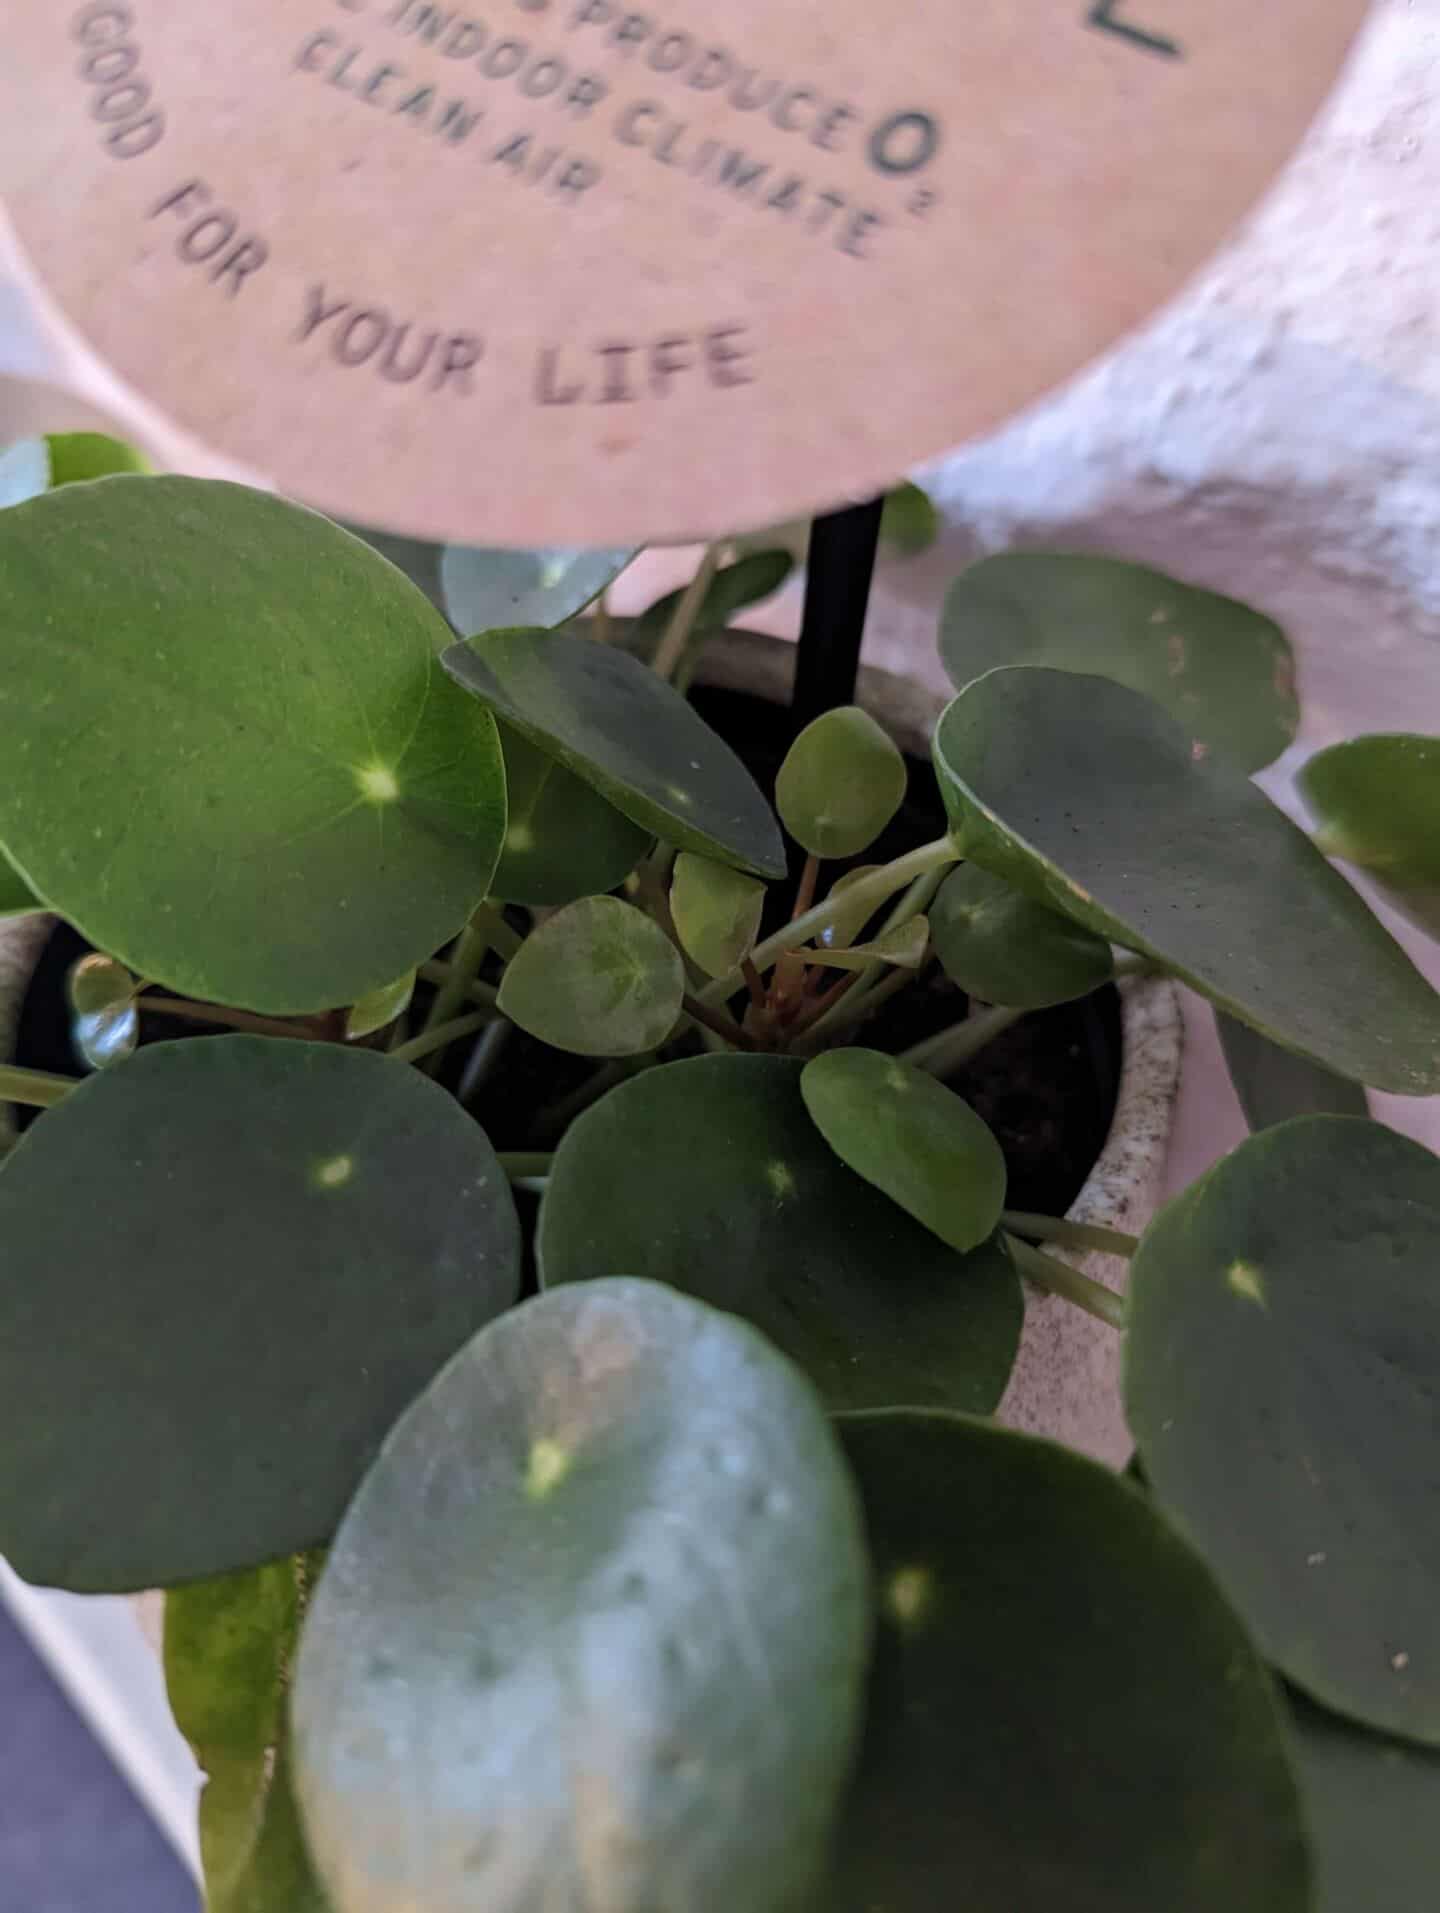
point(1066, 1381)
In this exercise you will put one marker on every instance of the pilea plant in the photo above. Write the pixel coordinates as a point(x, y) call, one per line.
point(703, 1577)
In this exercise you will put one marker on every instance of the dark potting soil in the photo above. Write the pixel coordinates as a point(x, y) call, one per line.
point(1046, 1087)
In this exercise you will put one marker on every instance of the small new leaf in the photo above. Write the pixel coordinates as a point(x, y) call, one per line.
point(841, 783)
point(599, 978)
point(716, 910)
point(904, 948)
point(382, 1006)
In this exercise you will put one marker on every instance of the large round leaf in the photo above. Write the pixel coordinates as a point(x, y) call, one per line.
point(592, 1633)
point(17, 899)
point(1064, 1715)
point(1281, 1375)
point(1223, 671)
point(232, 758)
point(486, 588)
point(225, 1267)
point(599, 978)
point(1089, 797)
point(912, 1137)
point(605, 716)
point(1376, 802)
point(709, 1174)
point(562, 839)
point(1000, 945)
point(1373, 1806)
point(1274, 1084)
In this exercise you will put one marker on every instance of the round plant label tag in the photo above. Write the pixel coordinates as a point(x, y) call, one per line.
point(563, 271)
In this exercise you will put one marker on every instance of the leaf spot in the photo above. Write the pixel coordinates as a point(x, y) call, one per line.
point(519, 837)
point(334, 1172)
point(909, 1595)
point(781, 1178)
point(1244, 1281)
point(378, 783)
point(680, 797)
point(548, 1466)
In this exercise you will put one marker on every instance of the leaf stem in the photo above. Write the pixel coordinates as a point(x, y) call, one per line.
point(1070, 1235)
point(809, 879)
point(552, 1123)
point(854, 1007)
point(945, 1052)
point(754, 983)
point(428, 1040)
point(36, 1088)
point(872, 891)
point(715, 1019)
point(218, 1013)
point(526, 1162)
point(490, 922)
point(1049, 1273)
point(686, 614)
point(475, 992)
point(462, 970)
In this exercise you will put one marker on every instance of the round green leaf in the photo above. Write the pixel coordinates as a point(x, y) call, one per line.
point(1088, 797)
point(710, 1175)
point(17, 899)
point(24, 471)
point(610, 720)
point(1373, 1806)
point(1222, 671)
point(909, 521)
point(717, 912)
point(76, 457)
point(1280, 1380)
point(562, 840)
point(105, 1024)
point(1274, 1084)
point(593, 1631)
point(599, 978)
point(1376, 802)
point(233, 760)
point(418, 558)
point(842, 781)
point(1064, 1715)
point(227, 1265)
point(916, 1140)
point(229, 1648)
point(1002, 947)
point(491, 589)
point(380, 1007)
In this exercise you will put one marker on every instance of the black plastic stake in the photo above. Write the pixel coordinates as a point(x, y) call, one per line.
point(837, 595)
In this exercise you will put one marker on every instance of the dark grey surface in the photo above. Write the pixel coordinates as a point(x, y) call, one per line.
point(73, 1838)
